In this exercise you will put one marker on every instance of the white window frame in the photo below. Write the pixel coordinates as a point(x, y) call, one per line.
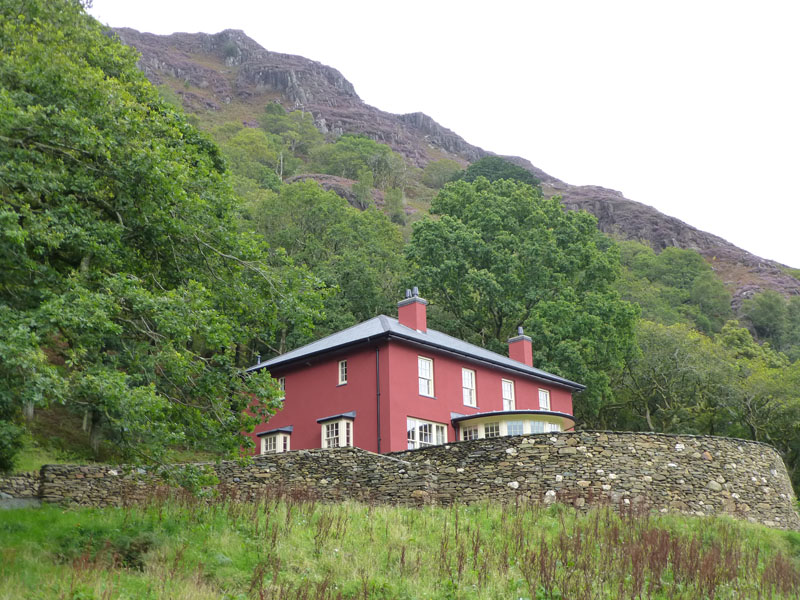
point(509, 402)
point(425, 383)
point(544, 427)
point(544, 399)
point(275, 443)
point(282, 387)
point(521, 424)
point(342, 372)
point(418, 437)
point(470, 432)
point(345, 433)
point(468, 387)
point(495, 425)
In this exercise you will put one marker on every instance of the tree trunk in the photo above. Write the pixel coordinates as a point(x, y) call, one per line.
point(95, 432)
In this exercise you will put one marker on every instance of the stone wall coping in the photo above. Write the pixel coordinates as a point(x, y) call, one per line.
point(593, 432)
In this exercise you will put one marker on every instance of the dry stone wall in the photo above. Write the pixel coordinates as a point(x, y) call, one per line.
point(330, 475)
point(24, 485)
point(668, 473)
point(699, 475)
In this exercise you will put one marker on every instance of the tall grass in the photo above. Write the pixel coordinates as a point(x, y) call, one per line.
point(289, 546)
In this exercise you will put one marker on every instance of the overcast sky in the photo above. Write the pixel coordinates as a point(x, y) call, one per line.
point(691, 107)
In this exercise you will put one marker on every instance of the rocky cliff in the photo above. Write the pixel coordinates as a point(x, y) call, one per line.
point(230, 74)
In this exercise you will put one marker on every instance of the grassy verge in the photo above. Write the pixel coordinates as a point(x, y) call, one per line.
point(295, 548)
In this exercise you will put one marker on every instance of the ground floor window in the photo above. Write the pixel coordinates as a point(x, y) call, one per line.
point(544, 427)
point(491, 430)
point(337, 434)
point(424, 433)
point(469, 433)
point(495, 429)
point(515, 427)
point(275, 442)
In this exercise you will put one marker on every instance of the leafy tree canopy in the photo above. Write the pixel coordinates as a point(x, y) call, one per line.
point(296, 130)
point(775, 320)
point(358, 254)
point(127, 293)
point(501, 256)
point(439, 172)
point(494, 168)
point(675, 286)
point(351, 154)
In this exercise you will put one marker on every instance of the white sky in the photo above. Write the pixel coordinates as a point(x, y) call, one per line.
point(691, 107)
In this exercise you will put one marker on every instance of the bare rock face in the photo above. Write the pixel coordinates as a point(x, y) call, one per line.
point(231, 68)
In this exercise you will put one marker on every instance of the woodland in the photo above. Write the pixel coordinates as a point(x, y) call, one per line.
point(148, 256)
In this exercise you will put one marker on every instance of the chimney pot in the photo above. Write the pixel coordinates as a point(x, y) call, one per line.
point(519, 330)
point(415, 291)
point(408, 293)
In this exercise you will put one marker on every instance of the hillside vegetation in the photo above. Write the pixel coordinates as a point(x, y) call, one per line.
point(294, 548)
point(147, 256)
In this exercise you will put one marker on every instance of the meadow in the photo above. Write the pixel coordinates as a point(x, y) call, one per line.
point(289, 546)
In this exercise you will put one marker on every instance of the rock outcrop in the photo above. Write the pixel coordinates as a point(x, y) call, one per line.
point(212, 71)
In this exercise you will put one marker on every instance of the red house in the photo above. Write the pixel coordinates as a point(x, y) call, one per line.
point(393, 384)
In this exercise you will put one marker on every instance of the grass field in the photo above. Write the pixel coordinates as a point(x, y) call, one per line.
point(295, 548)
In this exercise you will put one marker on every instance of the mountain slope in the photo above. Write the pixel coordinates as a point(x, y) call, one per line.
point(227, 76)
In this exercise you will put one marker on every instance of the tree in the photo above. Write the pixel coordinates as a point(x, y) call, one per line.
point(503, 256)
point(350, 154)
point(393, 199)
point(675, 286)
point(358, 254)
point(677, 381)
point(253, 154)
point(127, 292)
point(362, 189)
point(767, 313)
point(494, 168)
point(439, 172)
point(296, 130)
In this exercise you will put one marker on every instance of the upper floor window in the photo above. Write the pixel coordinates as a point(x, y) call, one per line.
point(425, 368)
point(282, 386)
point(342, 372)
point(468, 387)
point(424, 433)
point(508, 395)
point(544, 400)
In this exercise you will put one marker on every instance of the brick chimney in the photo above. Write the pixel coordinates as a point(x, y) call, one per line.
point(520, 348)
point(412, 311)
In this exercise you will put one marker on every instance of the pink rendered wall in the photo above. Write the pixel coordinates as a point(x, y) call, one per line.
point(312, 392)
point(406, 401)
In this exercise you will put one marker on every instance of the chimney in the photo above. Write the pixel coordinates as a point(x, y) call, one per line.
point(520, 348)
point(412, 311)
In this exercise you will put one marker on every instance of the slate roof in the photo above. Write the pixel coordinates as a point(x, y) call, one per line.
point(383, 327)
